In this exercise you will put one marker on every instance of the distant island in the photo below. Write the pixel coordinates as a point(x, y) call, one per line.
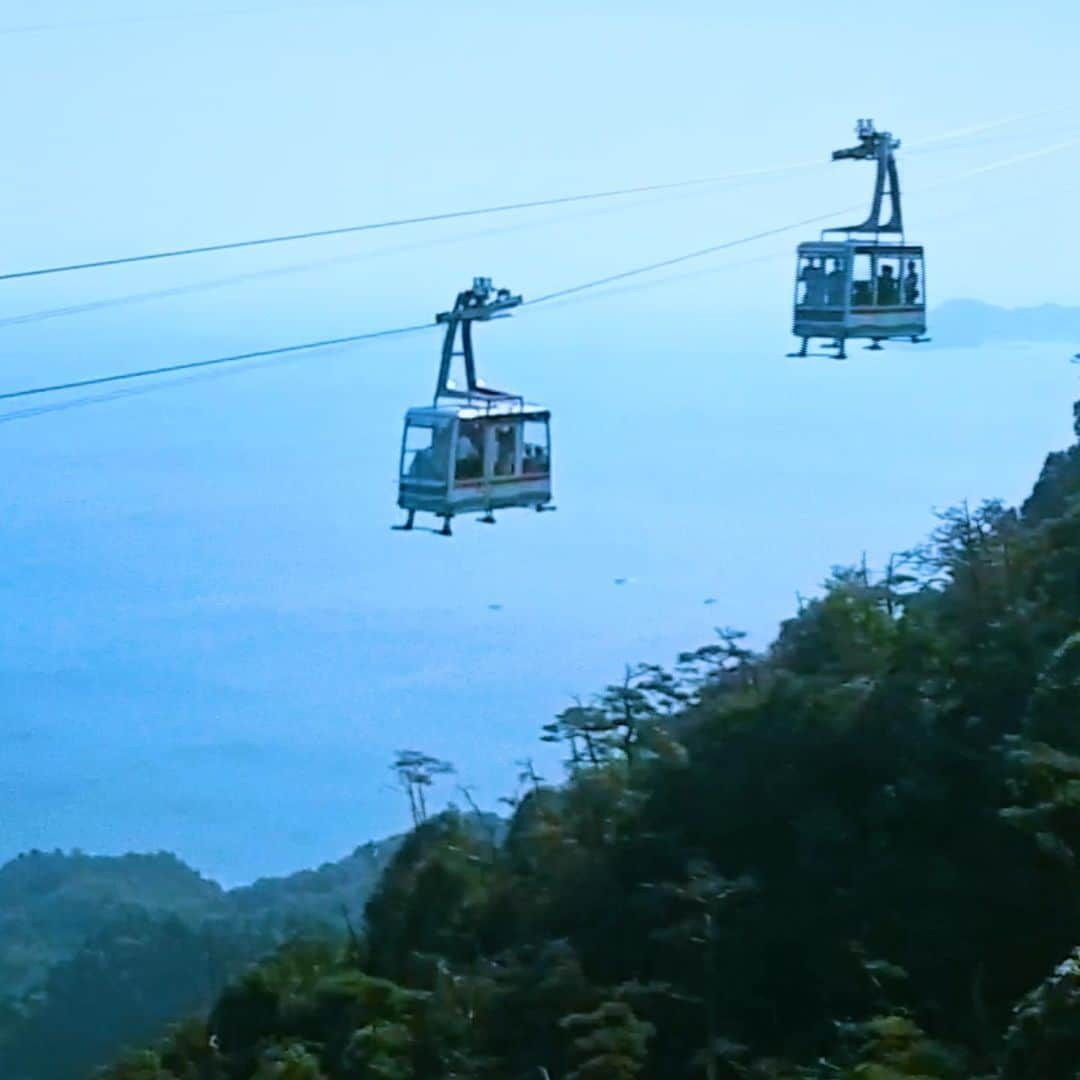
point(973, 322)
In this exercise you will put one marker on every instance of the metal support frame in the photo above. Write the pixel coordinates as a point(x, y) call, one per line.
point(482, 302)
point(876, 146)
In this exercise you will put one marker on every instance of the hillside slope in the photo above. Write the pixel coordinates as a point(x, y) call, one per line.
point(99, 952)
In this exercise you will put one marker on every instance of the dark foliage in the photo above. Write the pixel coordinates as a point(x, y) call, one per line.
point(97, 953)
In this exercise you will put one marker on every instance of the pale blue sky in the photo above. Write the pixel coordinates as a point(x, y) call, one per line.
point(155, 133)
point(211, 634)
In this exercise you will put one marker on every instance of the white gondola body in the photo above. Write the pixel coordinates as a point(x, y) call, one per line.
point(855, 304)
point(475, 457)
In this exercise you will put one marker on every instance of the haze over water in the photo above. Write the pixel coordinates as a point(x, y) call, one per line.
point(214, 643)
point(215, 639)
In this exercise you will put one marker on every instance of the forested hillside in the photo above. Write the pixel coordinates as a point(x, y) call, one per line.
point(852, 855)
point(99, 953)
point(50, 903)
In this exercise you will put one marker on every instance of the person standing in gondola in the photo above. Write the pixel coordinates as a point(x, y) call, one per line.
point(835, 284)
point(504, 451)
point(469, 462)
point(888, 288)
point(911, 284)
point(813, 279)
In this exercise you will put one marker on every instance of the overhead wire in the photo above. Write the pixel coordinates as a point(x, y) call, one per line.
point(392, 223)
point(542, 299)
point(712, 249)
point(700, 253)
point(974, 143)
point(987, 125)
point(140, 389)
point(773, 256)
point(667, 279)
point(80, 384)
point(995, 166)
point(167, 369)
point(86, 307)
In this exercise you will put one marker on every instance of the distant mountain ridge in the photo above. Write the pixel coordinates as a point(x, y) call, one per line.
point(97, 952)
point(52, 902)
point(973, 322)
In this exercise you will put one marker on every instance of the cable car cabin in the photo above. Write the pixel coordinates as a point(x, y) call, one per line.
point(870, 283)
point(474, 449)
point(855, 289)
point(469, 458)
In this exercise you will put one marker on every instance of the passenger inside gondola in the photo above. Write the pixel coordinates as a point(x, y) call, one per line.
point(835, 284)
point(470, 458)
point(535, 461)
point(911, 283)
point(813, 279)
point(428, 461)
point(504, 450)
point(888, 287)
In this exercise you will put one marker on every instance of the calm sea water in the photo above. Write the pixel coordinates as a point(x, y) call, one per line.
point(213, 643)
